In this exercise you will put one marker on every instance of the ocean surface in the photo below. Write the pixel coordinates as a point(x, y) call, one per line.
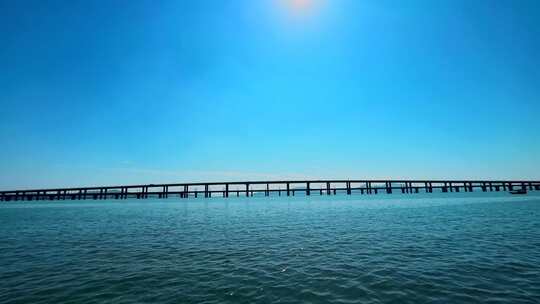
point(421, 248)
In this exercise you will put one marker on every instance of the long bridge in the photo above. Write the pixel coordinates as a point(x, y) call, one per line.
point(268, 188)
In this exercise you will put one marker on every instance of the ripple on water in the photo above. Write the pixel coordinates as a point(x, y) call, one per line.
point(319, 250)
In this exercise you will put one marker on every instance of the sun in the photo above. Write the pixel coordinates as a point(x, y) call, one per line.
point(300, 14)
point(300, 6)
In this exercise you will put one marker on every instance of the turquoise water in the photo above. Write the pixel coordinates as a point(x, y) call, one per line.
point(379, 249)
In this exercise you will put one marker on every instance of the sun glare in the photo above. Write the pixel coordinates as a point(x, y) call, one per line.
point(300, 7)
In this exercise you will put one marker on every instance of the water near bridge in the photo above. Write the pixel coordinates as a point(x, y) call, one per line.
point(433, 248)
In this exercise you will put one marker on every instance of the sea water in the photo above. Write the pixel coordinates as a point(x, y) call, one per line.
point(420, 248)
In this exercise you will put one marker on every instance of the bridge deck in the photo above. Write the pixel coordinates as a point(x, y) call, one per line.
point(286, 187)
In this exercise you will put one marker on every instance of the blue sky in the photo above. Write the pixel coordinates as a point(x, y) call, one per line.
point(99, 92)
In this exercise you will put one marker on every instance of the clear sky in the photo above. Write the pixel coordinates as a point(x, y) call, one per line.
point(100, 92)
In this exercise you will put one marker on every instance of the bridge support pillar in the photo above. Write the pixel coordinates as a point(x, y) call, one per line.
point(445, 188)
point(328, 191)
